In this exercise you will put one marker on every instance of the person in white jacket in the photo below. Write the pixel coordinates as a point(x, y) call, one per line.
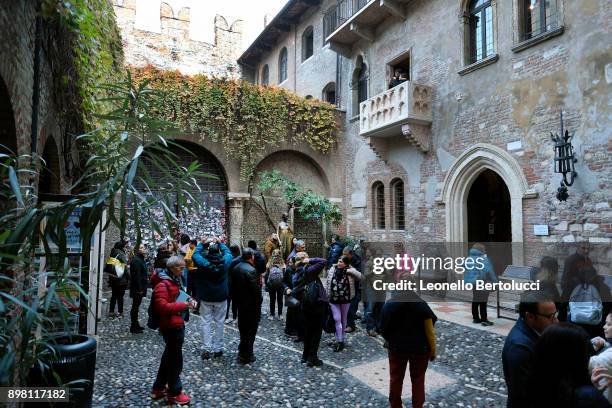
point(600, 365)
point(341, 286)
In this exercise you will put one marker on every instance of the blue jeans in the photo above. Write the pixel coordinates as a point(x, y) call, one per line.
point(171, 364)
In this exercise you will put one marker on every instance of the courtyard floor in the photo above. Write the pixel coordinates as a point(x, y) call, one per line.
point(467, 372)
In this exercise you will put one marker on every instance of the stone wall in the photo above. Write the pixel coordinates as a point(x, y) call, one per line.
point(507, 109)
point(164, 40)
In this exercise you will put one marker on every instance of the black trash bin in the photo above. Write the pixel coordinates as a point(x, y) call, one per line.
point(74, 360)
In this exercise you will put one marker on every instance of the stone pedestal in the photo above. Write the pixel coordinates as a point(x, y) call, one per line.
point(236, 216)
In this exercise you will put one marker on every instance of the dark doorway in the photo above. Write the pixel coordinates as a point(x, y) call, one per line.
point(49, 182)
point(8, 138)
point(489, 218)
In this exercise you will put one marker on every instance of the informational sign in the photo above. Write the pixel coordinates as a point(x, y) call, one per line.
point(72, 230)
point(491, 229)
point(540, 230)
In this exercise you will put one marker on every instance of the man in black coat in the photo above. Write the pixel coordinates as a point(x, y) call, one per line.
point(138, 286)
point(535, 315)
point(246, 292)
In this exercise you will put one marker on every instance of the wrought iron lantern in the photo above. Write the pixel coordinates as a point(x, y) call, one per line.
point(564, 160)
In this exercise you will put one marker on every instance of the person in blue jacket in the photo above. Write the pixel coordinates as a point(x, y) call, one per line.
point(210, 282)
point(479, 267)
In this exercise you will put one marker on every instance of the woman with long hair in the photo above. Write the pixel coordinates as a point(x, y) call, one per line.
point(341, 284)
point(560, 376)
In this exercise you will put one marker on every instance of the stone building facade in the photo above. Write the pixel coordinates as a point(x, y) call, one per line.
point(461, 152)
point(163, 39)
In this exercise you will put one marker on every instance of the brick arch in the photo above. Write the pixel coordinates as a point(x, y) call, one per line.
point(287, 161)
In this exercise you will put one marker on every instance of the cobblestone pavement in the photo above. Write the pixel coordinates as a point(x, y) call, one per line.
point(467, 373)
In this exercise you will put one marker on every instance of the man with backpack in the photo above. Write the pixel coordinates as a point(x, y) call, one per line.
point(211, 285)
point(274, 283)
point(588, 301)
point(310, 292)
point(246, 292)
point(168, 314)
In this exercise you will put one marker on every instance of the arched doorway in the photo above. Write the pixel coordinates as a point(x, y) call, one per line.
point(489, 217)
point(49, 182)
point(458, 182)
point(211, 217)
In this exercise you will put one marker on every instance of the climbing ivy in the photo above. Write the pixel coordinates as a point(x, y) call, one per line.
point(245, 118)
point(95, 53)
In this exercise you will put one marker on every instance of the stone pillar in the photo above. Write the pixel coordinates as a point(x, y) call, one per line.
point(236, 216)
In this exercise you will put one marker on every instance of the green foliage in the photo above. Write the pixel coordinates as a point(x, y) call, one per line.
point(310, 205)
point(97, 52)
point(246, 119)
point(128, 143)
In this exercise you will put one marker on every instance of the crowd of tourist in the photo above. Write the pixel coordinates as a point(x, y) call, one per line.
point(546, 363)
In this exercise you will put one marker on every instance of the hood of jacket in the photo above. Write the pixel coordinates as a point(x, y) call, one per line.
point(475, 252)
point(163, 275)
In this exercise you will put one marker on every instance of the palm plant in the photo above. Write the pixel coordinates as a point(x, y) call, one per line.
point(117, 160)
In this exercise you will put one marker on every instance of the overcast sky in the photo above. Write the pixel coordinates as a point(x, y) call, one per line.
point(251, 12)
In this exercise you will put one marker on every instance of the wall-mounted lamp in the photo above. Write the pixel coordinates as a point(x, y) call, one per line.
point(564, 160)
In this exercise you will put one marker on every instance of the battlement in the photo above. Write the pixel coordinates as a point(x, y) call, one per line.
point(168, 35)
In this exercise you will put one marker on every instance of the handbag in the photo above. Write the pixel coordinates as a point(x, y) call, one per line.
point(291, 302)
point(115, 267)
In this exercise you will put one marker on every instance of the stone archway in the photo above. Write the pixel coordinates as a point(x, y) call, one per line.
point(302, 169)
point(212, 217)
point(460, 178)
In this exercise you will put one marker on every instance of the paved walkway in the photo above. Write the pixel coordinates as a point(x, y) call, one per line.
point(467, 372)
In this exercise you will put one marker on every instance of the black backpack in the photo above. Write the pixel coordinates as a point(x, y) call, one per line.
point(311, 292)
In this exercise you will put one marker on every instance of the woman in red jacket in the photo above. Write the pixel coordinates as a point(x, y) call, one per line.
point(166, 286)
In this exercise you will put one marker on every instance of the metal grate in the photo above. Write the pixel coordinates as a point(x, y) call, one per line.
point(342, 12)
point(378, 207)
point(399, 219)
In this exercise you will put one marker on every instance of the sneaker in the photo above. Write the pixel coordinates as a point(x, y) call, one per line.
point(349, 330)
point(487, 323)
point(157, 394)
point(279, 318)
point(229, 321)
point(181, 399)
point(270, 317)
point(136, 330)
point(298, 340)
point(303, 360)
point(372, 333)
point(217, 354)
point(339, 346)
point(205, 355)
point(196, 312)
point(476, 321)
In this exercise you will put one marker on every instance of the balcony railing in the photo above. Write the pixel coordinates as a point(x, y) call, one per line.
point(385, 114)
point(338, 15)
